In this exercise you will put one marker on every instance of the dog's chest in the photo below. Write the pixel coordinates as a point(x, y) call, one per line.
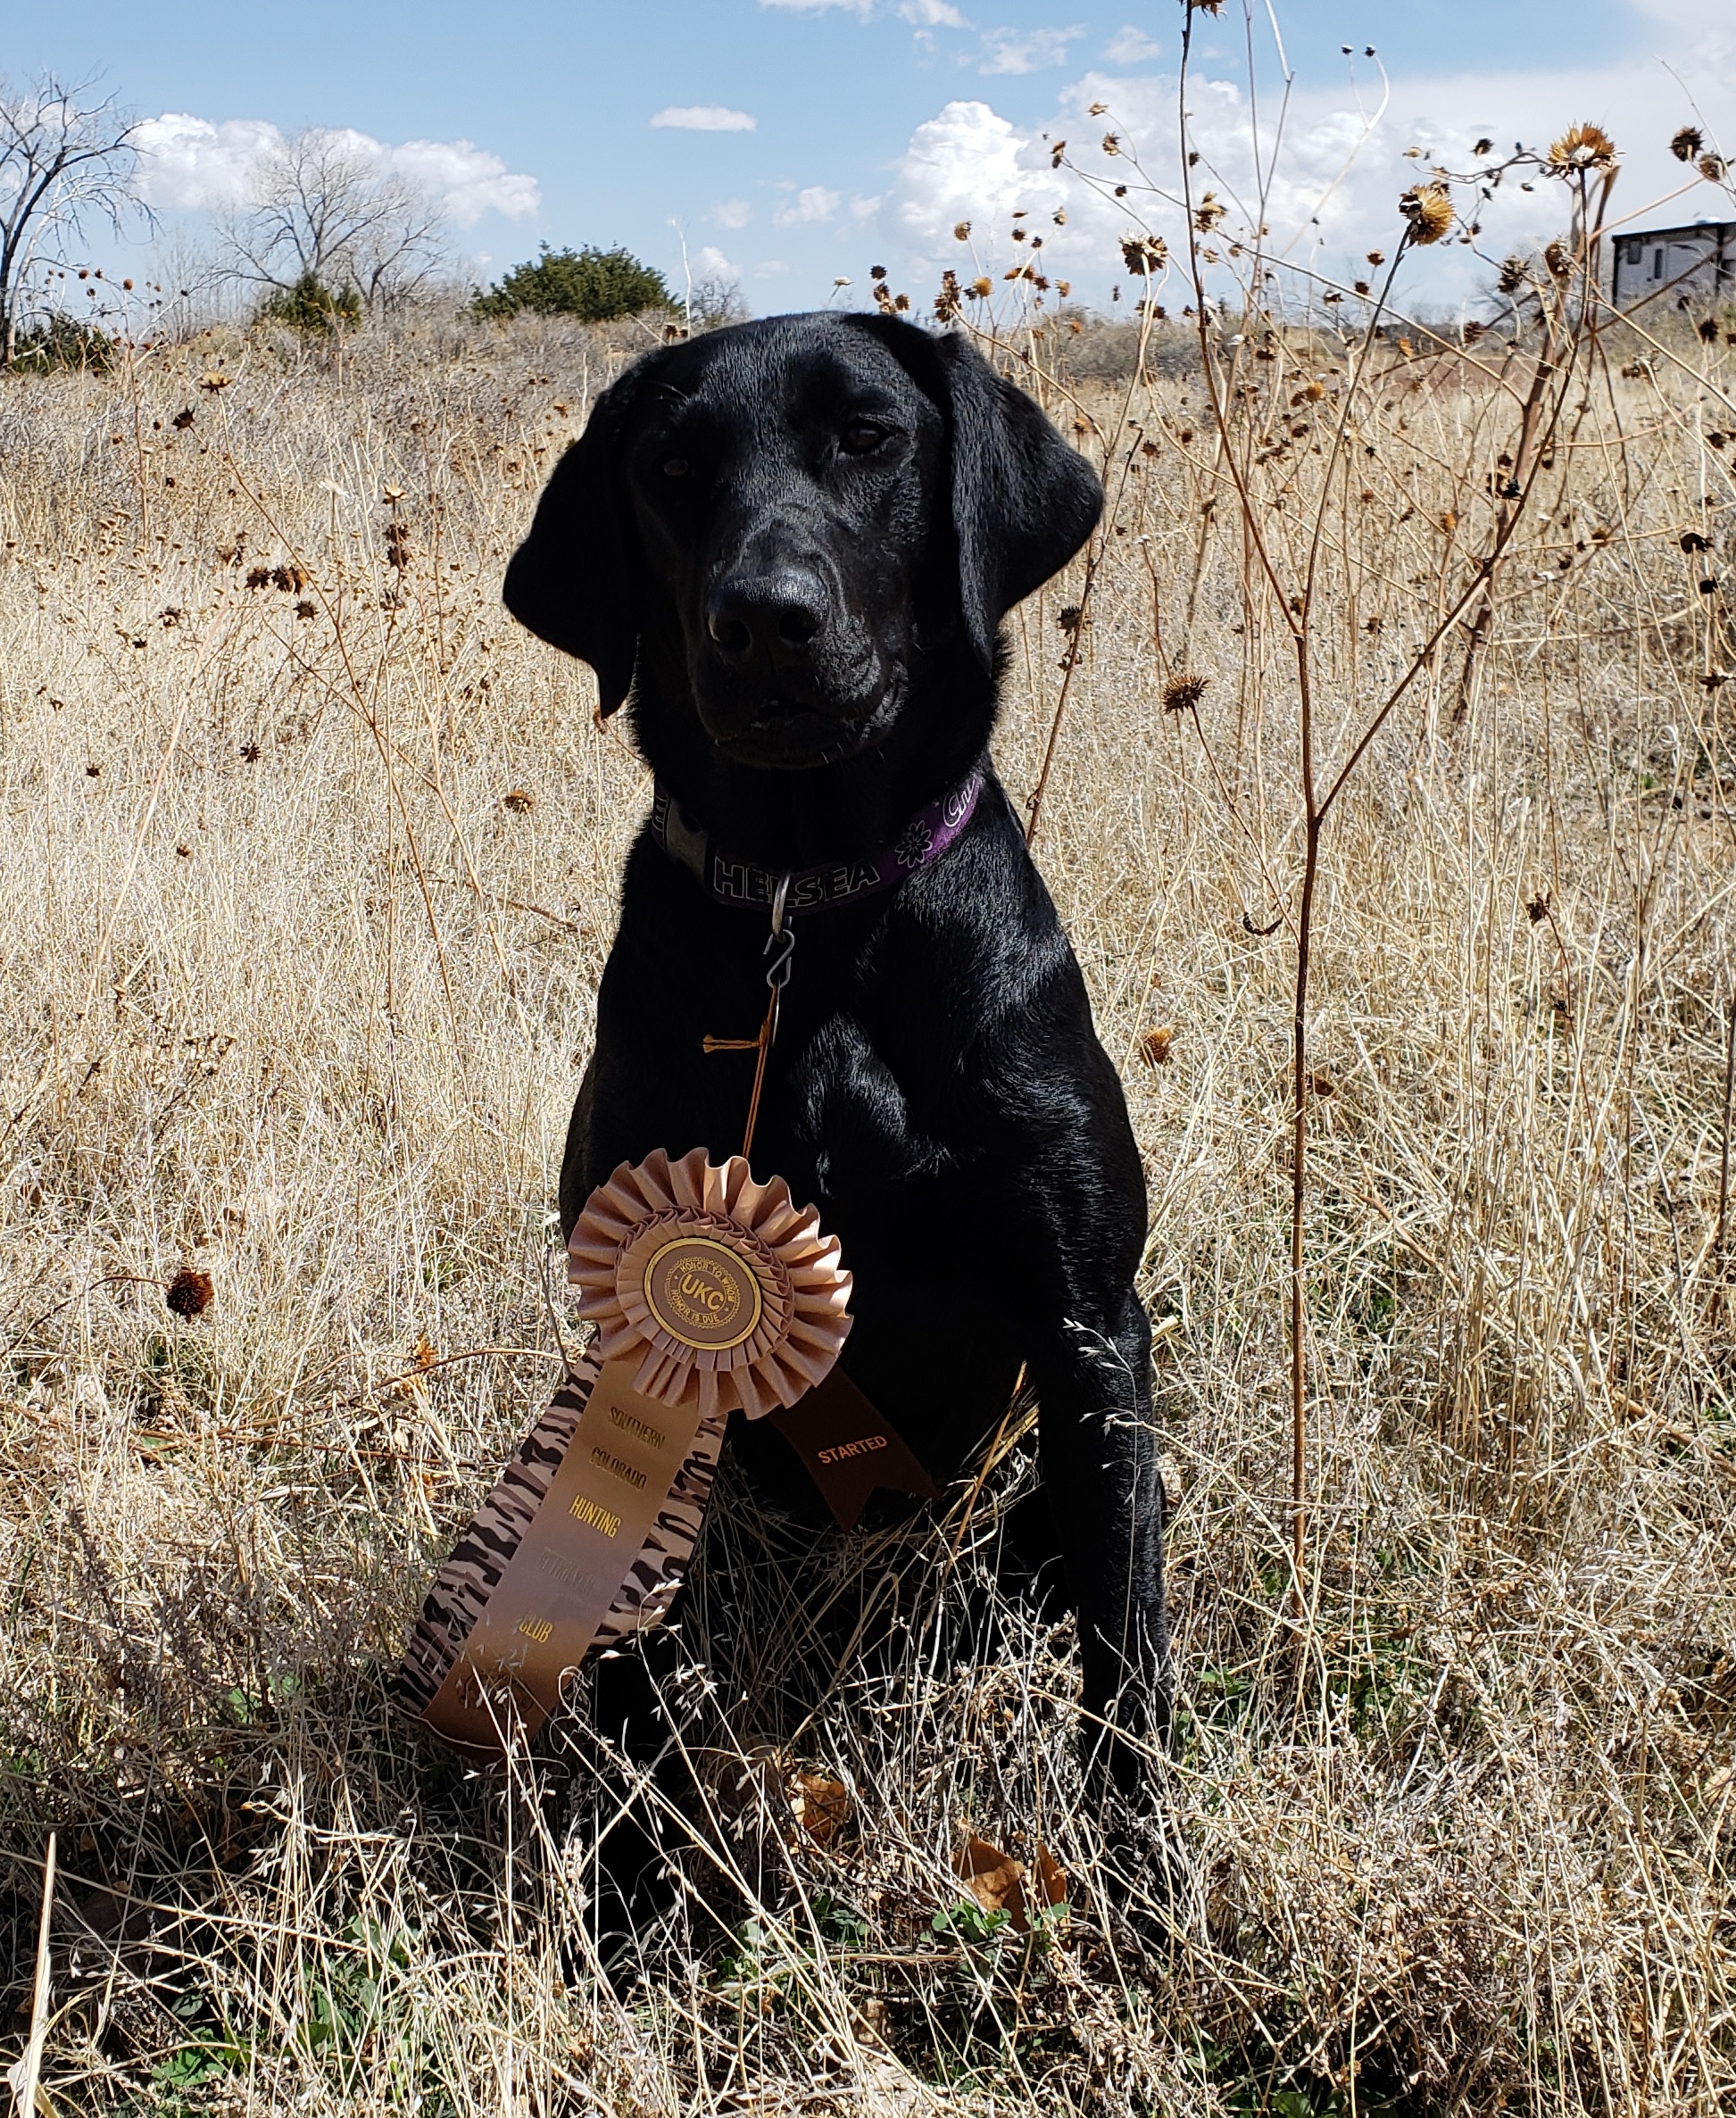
point(849, 1105)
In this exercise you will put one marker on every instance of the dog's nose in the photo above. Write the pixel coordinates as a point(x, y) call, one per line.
point(777, 615)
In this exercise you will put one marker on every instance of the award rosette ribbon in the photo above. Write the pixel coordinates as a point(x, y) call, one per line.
point(710, 1294)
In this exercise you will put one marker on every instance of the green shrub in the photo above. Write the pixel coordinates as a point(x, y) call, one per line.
point(591, 284)
point(311, 305)
point(62, 342)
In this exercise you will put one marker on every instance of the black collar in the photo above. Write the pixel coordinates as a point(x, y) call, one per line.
point(925, 838)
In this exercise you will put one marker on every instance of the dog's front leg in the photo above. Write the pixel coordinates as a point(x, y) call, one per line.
point(1099, 1453)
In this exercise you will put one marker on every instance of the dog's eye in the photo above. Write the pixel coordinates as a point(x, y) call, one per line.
point(674, 466)
point(861, 437)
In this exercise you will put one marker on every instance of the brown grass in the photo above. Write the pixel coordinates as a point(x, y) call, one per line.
point(305, 915)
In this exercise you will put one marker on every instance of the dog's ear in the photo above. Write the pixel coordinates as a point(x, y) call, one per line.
point(572, 581)
point(1023, 501)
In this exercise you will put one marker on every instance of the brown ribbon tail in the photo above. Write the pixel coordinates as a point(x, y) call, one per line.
point(849, 1448)
point(543, 1614)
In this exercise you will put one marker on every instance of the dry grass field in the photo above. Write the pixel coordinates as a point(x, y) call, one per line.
point(309, 865)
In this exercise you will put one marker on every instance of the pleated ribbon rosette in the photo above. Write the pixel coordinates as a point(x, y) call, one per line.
point(710, 1291)
point(719, 1291)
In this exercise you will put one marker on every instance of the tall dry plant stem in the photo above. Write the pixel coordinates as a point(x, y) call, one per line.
point(1565, 320)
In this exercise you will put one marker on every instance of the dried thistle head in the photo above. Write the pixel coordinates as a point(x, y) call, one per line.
point(1559, 259)
point(961, 232)
point(1144, 253)
point(982, 288)
point(1711, 168)
point(1686, 144)
point(1155, 1046)
point(1184, 691)
point(1512, 276)
point(189, 1293)
point(1428, 209)
point(1207, 214)
point(518, 801)
point(1581, 147)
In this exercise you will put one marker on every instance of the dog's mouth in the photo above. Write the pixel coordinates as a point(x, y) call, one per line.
point(793, 735)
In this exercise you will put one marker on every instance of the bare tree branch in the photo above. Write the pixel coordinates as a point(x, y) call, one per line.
point(64, 159)
point(322, 206)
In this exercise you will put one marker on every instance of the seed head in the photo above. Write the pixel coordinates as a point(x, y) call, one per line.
point(1154, 1046)
point(1428, 209)
point(961, 232)
point(1559, 259)
point(1711, 168)
point(1581, 147)
point(1513, 274)
point(1687, 144)
point(1144, 253)
point(1184, 691)
point(189, 1293)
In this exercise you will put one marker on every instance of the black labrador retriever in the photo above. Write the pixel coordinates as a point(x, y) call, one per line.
point(791, 544)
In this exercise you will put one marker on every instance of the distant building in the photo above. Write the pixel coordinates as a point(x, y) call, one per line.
point(1698, 263)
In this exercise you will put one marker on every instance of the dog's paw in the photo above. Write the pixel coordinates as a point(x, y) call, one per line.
point(1145, 1888)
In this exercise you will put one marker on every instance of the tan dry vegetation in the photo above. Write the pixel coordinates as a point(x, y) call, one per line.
point(309, 885)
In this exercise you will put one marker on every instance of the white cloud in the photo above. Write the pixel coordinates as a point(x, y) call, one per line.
point(703, 117)
point(188, 164)
point(468, 181)
point(821, 6)
point(771, 269)
point(970, 163)
point(710, 263)
point(732, 213)
point(809, 206)
point(1335, 193)
point(1131, 47)
point(1025, 51)
point(932, 14)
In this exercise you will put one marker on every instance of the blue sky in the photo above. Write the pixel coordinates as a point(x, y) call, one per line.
point(877, 124)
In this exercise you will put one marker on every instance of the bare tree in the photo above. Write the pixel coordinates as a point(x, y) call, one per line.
point(64, 159)
point(323, 207)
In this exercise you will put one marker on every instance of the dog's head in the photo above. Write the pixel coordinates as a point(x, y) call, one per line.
point(820, 504)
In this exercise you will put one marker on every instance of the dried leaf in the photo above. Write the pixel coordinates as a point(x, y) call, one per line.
point(820, 1805)
point(997, 1882)
point(992, 1877)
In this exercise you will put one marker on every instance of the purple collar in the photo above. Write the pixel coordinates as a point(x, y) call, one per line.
point(927, 836)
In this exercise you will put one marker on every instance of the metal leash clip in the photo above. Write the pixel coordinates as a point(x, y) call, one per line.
point(780, 942)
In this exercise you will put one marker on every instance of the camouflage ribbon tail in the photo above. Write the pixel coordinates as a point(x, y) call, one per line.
point(559, 1586)
point(849, 1448)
